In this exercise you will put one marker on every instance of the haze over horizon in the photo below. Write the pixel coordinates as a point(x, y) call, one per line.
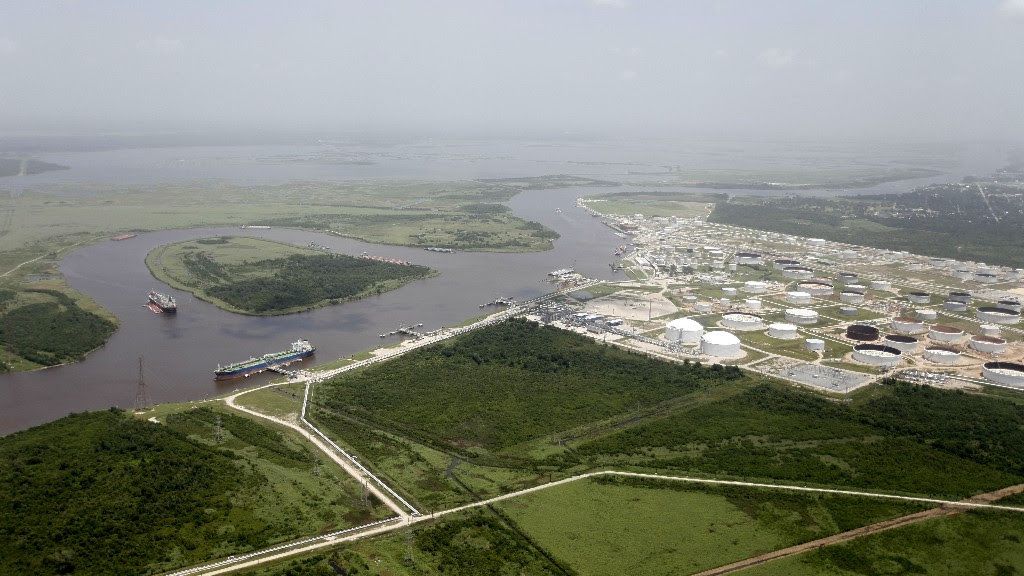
point(808, 70)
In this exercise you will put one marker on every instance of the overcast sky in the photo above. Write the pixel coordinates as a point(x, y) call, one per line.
point(819, 69)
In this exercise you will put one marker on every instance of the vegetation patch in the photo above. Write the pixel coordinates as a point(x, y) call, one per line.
point(262, 277)
point(613, 525)
point(46, 327)
point(105, 493)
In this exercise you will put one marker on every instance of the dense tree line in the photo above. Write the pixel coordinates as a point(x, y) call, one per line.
point(51, 333)
point(511, 382)
point(300, 281)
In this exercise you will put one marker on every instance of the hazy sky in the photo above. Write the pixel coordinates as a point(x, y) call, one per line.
point(817, 69)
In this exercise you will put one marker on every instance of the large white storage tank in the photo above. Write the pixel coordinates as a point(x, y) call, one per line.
point(802, 316)
point(876, 354)
point(782, 331)
point(989, 344)
point(996, 315)
point(742, 321)
point(1006, 373)
point(720, 344)
point(684, 330)
point(798, 297)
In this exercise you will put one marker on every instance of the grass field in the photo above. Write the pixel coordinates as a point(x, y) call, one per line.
point(256, 276)
point(613, 527)
point(283, 401)
point(970, 544)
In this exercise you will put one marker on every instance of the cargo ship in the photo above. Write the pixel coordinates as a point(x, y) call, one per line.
point(162, 303)
point(299, 349)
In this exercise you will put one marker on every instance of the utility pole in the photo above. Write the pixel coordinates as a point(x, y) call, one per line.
point(142, 401)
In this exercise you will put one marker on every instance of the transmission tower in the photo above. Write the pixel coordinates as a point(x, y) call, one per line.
point(142, 401)
point(218, 430)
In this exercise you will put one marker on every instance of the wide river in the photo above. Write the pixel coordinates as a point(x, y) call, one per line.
point(182, 351)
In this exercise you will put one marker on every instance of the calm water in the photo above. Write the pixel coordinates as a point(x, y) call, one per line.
point(181, 351)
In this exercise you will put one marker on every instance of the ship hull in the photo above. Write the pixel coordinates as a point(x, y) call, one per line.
point(260, 366)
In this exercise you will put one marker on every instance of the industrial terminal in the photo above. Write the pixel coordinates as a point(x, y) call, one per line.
point(817, 313)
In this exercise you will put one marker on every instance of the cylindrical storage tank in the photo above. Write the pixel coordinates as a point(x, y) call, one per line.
point(926, 314)
point(876, 354)
point(905, 325)
point(955, 306)
point(995, 315)
point(797, 272)
point(685, 330)
point(797, 297)
point(863, 332)
point(1009, 304)
point(919, 297)
point(944, 333)
point(755, 287)
point(702, 307)
point(816, 288)
point(742, 321)
point(724, 301)
point(848, 310)
point(959, 296)
point(880, 285)
point(802, 316)
point(815, 344)
point(988, 344)
point(939, 355)
point(816, 241)
point(1006, 373)
point(732, 267)
point(851, 297)
point(720, 344)
point(729, 291)
point(782, 331)
point(990, 330)
point(847, 277)
point(986, 277)
point(963, 274)
point(859, 288)
point(901, 342)
point(783, 263)
point(748, 258)
point(752, 303)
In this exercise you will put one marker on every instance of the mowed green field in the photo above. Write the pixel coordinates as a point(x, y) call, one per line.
point(256, 276)
point(615, 526)
point(972, 544)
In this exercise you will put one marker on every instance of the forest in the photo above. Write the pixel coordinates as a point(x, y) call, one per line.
point(509, 383)
point(51, 331)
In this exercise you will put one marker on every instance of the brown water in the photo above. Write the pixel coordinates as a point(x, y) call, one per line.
point(182, 350)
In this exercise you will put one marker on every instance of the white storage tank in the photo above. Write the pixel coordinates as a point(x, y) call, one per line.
point(730, 291)
point(720, 344)
point(880, 285)
point(755, 287)
point(876, 354)
point(926, 314)
point(960, 296)
point(798, 297)
point(918, 297)
point(1006, 373)
point(816, 241)
point(1010, 304)
point(906, 325)
point(684, 330)
point(990, 330)
point(847, 277)
point(753, 303)
point(815, 344)
point(851, 297)
point(782, 331)
point(803, 316)
point(939, 355)
point(748, 258)
point(742, 321)
point(797, 272)
point(702, 307)
point(955, 306)
point(996, 315)
point(944, 333)
point(860, 288)
point(986, 277)
point(988, 344)
point(817, 288)
point(783, 263)
point(901, 342)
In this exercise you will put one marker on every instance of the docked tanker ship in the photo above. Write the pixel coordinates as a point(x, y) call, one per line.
point(162, 302)
point(299, 349)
